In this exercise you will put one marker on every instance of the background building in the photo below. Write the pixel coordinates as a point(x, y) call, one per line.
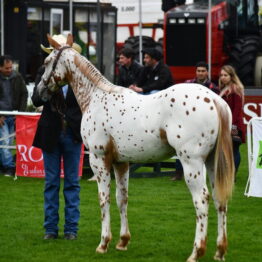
point(24, 25)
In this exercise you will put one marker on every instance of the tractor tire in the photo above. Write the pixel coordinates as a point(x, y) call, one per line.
point(242, 57)
point(147, 42)
point(258, 71)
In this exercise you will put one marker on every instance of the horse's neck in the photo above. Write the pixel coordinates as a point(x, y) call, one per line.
point(85, 79)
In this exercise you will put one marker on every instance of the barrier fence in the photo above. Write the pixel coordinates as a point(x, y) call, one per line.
point(29, 159)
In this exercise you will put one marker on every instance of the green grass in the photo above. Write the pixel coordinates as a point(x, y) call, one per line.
point(161, 218)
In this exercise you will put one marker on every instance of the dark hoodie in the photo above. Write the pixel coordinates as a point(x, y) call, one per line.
point(13, 92)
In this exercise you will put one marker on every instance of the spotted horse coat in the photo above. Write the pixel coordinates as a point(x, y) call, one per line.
point(120, 126)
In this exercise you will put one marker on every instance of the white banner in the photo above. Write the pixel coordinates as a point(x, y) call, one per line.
point(254, 185)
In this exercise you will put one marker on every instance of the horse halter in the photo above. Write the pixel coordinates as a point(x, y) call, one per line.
point(46, 82)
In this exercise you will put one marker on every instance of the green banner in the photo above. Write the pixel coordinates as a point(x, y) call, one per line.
point(259, 156)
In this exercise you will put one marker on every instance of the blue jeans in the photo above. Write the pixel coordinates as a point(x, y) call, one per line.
point(70, 151)
point(7, 129)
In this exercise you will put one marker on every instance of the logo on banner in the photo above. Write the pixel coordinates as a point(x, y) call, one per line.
point(29, 160)
point(259, 157)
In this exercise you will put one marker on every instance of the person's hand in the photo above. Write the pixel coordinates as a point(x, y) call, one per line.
point(2, 120)
point(132, 87)
point(136, 88)
point(234, 131)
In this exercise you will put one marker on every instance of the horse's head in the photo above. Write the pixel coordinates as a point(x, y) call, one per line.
point(55, 73)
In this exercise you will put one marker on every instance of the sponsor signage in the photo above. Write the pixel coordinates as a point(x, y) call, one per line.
point(29, 159)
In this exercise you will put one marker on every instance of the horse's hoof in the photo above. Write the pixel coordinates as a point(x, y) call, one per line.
point(101, 250)
point(121, 248)
point(219, 258)
point(191, 260)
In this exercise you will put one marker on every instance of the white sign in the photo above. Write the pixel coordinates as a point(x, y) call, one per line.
point(254, 184)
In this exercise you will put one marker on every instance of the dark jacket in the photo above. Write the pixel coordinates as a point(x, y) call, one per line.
point(19, 91)
point(129, 76)
point(51, 122)
point(158, 78)
point(207, 84)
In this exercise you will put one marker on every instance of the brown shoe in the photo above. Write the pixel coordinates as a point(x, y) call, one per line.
point(70, 236)
point(50, 236)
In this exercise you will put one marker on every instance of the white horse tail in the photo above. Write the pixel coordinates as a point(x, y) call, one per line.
point(224, 161)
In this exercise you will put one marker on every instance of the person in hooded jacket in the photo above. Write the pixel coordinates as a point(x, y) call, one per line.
point(13, 96)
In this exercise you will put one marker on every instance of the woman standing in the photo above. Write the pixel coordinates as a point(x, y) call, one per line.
point(232, 91)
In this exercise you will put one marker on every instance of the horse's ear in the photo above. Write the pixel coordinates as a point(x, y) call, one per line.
point(52, 42)
point(69, 40)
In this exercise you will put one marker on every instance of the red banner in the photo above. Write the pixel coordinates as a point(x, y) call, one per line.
point(29, 159)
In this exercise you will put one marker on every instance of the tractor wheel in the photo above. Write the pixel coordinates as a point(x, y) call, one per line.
point(147, 42)
point(258, 70)
point(243, 57)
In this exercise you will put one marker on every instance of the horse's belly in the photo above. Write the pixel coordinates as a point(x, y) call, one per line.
point(145, 152)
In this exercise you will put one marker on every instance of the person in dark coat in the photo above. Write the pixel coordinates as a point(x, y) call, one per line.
point(58, 136)
point(13, 96)
point(202, 77)
point(155, 76)
point(129, 69)
point(232, 91)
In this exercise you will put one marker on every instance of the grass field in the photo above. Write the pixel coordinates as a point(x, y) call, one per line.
point(161, 219)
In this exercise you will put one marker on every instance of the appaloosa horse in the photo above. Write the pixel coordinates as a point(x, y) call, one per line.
point(120, 126)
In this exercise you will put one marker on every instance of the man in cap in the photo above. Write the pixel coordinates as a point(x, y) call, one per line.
point(155, 75)
point(58, 136)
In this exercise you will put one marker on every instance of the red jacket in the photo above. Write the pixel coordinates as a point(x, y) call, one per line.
point(235, 103)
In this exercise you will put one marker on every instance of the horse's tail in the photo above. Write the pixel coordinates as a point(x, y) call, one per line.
point(224, 162)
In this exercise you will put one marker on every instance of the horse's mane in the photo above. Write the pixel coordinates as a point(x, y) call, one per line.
point(89, 70)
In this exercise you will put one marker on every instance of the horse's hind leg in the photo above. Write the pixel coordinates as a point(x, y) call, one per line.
point(196, 182)
point(221, 214)
point(122, 176)
point(102, 173)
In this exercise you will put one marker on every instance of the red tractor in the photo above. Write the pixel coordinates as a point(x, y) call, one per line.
point(235, 38)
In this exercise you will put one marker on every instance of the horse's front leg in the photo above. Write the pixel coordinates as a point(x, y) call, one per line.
point(102, 173)
point(122, 177)
point(196, 183)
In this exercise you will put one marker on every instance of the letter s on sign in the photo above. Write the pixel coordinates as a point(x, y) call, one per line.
point(249, 112)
